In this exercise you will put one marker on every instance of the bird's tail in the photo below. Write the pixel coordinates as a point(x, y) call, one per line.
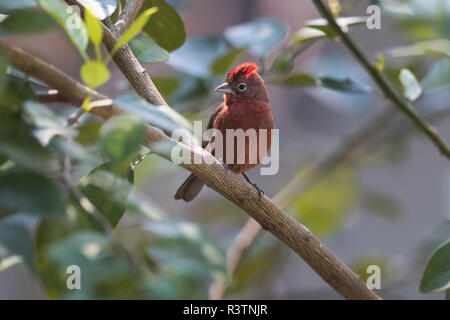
point(189, 189)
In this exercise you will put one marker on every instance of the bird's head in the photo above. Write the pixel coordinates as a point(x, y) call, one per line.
point(244, 83)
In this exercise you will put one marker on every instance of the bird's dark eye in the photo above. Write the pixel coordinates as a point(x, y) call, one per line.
point(242, 87)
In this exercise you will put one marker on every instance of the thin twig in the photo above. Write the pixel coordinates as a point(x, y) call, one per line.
point(130, 10)
point(214, 175)
point(383, 84)
point(75, 116)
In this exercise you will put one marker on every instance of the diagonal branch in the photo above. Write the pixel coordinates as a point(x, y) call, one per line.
point(50, 96)
point(383, 84)
point(215, 176)
point(297, 185)
point(129, 13)
point(130, 66)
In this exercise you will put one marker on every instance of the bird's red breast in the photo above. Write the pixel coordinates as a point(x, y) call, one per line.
point(246, 114)
point(246, 106)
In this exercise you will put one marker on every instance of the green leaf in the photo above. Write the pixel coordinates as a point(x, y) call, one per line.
point(324, 207)
point(6, 165)
point(19, 75)
point(166, 85)
point(3, 72)
point(81, 245)
point(28, 20)
point(436, 276)
point(88, 132)
point(223, 63)
point(411, 87)
point(16, 239)
point(9, 262)
point(381, 204)
point(46, 123)
point(191, 89)
point(7, 7)
point(284, 61)
point(15, 91)
point(159, 116)
point(259, 259)
point(147, 50)
point(435, 46)
point(104, 274)
point(319, 28)
point(18, 143)
point(197, 55)
point(94, 73)
point(396, 7)
point(121, 137)
point(186, 240)
point(346, 85)
point(69, 20)
point(100, 8)
point(386, 263)
point(166, 26)
point(343, 22)
point(134, 29)
point(438, 76)
point(84, 157)
point(259, 36)
point(77, 239)
point(27, 152)
point(298, 79)
point(307, 33)
point(30, 193)
point(94, 28)
point(111, 200)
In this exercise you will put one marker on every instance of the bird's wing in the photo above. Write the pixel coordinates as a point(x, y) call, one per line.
point(212, 119)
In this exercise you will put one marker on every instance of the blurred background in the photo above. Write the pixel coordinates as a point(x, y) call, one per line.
point(386, 202)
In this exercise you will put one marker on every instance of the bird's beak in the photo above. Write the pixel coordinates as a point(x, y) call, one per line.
point(224, 88)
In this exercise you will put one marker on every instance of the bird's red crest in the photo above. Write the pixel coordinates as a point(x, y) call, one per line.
point(243, 70)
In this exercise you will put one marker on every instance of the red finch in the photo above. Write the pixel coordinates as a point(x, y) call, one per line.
point(245, 106)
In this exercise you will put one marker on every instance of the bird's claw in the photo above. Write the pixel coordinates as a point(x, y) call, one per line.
point(260, 191)
point(227, 167)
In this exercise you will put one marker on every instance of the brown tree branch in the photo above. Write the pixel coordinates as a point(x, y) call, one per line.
point(230, 185)
point(129, 13)
point(297, 185)
point(50, 96)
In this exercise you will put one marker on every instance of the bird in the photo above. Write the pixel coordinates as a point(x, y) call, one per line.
point(245, 106)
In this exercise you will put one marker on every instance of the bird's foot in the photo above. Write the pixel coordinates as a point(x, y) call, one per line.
point(260, 192)
point(226, 167)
